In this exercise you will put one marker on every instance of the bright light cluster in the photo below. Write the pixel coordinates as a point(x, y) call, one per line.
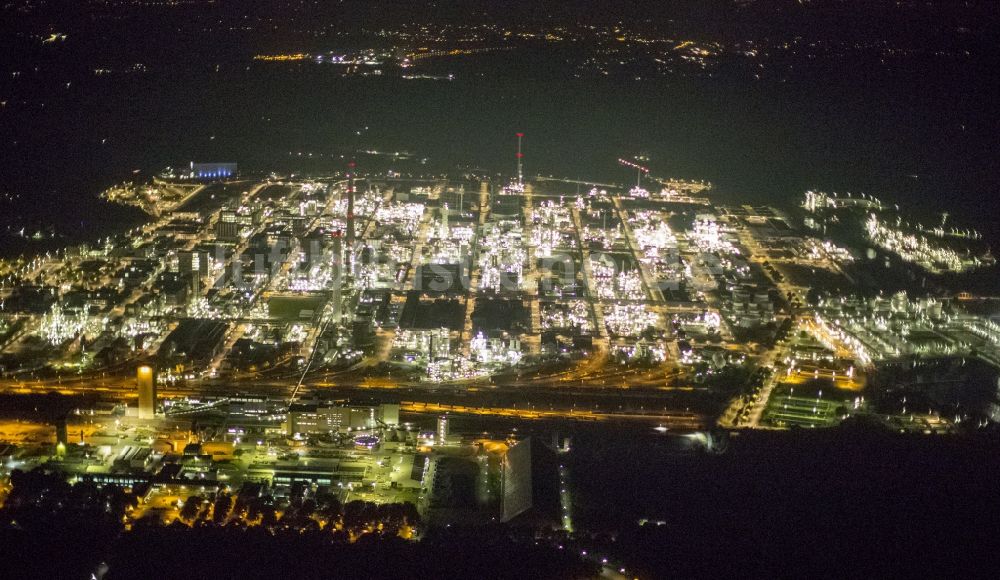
point(405, 216)
point(316, 279)
point(495, 351)
point(918, 249)
point(57, 327)
point(817, 200)
point(549, 219)
point(639, 192)
point(422, 346)
point(883, 328)
point(654, 353)
point(297, 333)
point(709, 236)
point(815, 249)
point(629, 319)
point(604, 236)
point(706, 322)
point(568, 314)
point(201, 308)
point(365, 204)
point(502, 256)
point(652, 232)
point(454, 369)
point(626, 284)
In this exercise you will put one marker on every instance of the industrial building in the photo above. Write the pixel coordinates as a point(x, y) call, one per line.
point(146, 383)
point(531, 485)
point(322, 418)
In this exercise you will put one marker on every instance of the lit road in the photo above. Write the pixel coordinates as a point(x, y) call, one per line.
point(541, 401)
point(671, 420)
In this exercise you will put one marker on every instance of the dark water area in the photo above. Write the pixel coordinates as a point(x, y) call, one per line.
point(924, 135)
point(809, 503)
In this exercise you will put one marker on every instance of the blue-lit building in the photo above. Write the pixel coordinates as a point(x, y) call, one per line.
point(212, 170)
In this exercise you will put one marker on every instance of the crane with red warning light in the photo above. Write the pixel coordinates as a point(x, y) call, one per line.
point(640, 170)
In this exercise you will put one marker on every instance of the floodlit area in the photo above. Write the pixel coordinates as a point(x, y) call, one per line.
point(295, 286)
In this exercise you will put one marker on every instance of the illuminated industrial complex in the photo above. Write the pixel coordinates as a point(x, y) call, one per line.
point(353, 333)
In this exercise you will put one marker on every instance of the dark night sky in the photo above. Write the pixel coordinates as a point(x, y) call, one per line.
point(893, 98)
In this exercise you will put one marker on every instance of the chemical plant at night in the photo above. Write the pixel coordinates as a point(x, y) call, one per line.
point(433, 342)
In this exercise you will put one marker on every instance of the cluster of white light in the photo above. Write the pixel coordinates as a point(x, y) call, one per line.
point(879, 329)
point(406, 216)
point(365, 204)
point(816, 200)
point(569, 314)
point(709, 236)
point(462, 234)
point(451, 248)
point(652, 234)
point(987, 329)
point(133, 327)
point(201, 308)
point(503, 255)
point(603, 236)
point(310, 207)
point(626, 285)
point(398, 253)
point(639, 192)
point(448, 251)
point(652, 352)
point(423, 346)
point(56, 327)
point(316, 278)
point(708, 321)
point(918, 249)
point(454, 369)
point(331, 223)
point(311, 187)
point(307, 283)
point(494, 351)
point(815, 249)
point(629, 319)
point(296, 333)
point(253, 332)
point(549, 219)
point(830, 332)
point(882, 328)
point(375, 276)
point(512, 188)
point(260, 310)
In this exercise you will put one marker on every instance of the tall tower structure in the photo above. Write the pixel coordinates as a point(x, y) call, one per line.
point(442, 430)
point(338, 277)
point(147, 391)
point(349, 255)
point(520, 160)
point(445, 232)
